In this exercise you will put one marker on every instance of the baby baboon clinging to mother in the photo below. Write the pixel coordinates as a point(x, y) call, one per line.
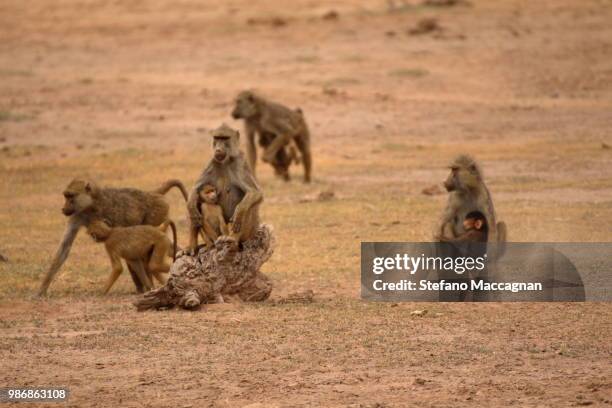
point(476, 229)
point(118, 207)
point(468, 193)
point(239, 195)
point(139, 243)
point(275, 122)
point(213, 223)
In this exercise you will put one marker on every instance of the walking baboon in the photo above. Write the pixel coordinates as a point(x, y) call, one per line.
point(275, 121)
point(139, 243)
point(468, 193)
point(119, 207)
point(213, 223)
point(239, 194)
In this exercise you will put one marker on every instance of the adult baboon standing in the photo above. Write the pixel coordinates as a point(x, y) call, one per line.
point(118, 207)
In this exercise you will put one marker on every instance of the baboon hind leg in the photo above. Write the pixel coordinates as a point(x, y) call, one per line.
point(138, 267)
point(157, 263)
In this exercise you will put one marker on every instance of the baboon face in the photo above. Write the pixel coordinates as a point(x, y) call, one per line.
point(78, 197)
point(209, 195)
point(245, 106)
point(464, 173)
point(225, 143)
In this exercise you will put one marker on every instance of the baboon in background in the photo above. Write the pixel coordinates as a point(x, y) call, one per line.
point(239, 194)
point(118, 207)
point(269, 119)
point(139, 243)
point(468, 193)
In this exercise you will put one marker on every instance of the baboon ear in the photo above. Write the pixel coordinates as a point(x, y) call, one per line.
point(473, 168)
point(250, 97)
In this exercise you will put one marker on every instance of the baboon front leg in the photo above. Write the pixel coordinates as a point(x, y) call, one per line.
point(116, 271)
point(251, 149)
point(304, 148)
point(62, 253)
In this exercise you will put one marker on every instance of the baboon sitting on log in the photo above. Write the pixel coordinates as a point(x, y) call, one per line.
point(239, 194)
point(276, 126)
point(118, 207)
point(468, 193)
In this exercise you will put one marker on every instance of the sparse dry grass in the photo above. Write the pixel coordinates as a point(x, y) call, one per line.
point(125, 97)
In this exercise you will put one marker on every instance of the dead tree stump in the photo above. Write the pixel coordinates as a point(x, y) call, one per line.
point(220, 270)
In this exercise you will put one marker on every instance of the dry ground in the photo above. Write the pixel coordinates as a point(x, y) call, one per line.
point(123, 92)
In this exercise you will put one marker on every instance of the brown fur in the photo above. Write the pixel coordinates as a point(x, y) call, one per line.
point(467, 193)
point(239, 195)
point(213, 223)
point(140, 243)
point(118, 207)
point(277, 126)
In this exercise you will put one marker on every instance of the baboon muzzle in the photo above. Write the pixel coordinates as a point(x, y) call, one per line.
point(235, 114)
point(220, 155)
point(67, 211)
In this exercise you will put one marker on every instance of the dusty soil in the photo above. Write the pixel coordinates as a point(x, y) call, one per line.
point(124, 92)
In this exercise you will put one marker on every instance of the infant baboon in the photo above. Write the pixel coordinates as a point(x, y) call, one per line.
point(476, 229)
point(468, 193)
point(139, 243)
point(284, 157)
point(276, 122)
point(214, 224)
point(119, 207)
point(238, 195)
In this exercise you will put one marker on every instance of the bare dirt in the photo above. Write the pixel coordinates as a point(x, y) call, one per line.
point(124, 92)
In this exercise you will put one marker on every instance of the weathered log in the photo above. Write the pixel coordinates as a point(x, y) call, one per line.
point(215, 272)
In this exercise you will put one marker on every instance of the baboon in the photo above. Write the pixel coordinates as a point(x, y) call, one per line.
point(139, 243)
point(476, 229)
point(275, 121)
point(118, 207)
point(468, 193)
point(213, 223)
point(239, 194)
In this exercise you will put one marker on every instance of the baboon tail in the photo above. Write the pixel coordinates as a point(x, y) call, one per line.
point(172, 183)
point(502, 235)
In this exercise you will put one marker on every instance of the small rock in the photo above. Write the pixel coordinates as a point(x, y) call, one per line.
point(424, 26)
point(419, 313)
point(419, 381)
point(326, 195)
point(605, 146)
point(432, 190)
point(331, 15)
point(3, 258)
